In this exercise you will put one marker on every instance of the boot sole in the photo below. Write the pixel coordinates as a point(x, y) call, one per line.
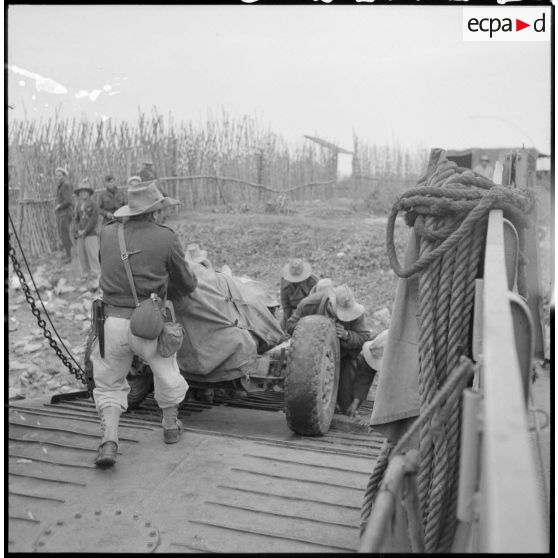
point(105, 462)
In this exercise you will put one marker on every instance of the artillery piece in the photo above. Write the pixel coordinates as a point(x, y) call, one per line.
point(233, 344)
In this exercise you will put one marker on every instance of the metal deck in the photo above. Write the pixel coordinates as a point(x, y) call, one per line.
point(238, 481)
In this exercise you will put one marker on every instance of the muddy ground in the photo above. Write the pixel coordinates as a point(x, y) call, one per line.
point(339, 238)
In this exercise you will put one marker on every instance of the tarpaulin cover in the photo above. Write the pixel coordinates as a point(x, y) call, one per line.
point(226, 324)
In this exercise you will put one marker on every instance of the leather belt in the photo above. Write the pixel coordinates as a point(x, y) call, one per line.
point(118, 311)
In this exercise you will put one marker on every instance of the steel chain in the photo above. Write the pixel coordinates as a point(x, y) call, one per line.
point(77, 372)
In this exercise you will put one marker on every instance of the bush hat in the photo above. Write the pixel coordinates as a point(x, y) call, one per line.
point(373, 351)
point(226, 270)
point(62, 170)
point(297, 270)
point(194, 254)
point(134, 179)
point(144, 197)
point(84, 185)
point(344, 305)
point(323, 285)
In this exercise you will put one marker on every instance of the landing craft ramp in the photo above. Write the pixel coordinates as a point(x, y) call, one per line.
point(238, 481)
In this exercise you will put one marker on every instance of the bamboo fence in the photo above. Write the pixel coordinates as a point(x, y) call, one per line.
point(220, 162)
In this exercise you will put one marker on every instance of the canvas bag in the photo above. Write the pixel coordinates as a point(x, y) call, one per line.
point(146, 320)
point(172, 335)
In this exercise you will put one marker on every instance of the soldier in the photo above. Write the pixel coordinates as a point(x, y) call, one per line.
point(85, 232)
point(147, 172)
point(484, 168)
point(158, 266)
point(296, 283)
point(64, 209)
point(111, 199)
point(340, 305)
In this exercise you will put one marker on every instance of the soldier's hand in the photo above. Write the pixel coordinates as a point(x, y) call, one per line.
point(341, 332)
point(110, 215)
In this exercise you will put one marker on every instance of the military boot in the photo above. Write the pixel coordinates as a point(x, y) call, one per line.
point(106, 454)
point(172, 427)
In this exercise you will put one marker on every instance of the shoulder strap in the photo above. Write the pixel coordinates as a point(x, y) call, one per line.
point(323, 305)
point(124, 257)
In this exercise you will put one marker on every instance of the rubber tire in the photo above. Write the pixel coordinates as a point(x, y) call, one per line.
point(141, 385)
point(314, 358)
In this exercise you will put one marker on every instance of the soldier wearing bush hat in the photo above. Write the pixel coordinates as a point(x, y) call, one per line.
point(64, 210)
point(85, 231)
point(158, 267)
point(296, 283)
point(340, 305)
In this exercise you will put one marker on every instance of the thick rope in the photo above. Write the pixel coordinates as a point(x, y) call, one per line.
point(454, 384)
point(448, 211)
point(374, 484)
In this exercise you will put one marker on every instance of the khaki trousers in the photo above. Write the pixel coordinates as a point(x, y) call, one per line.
point(88, 254)
point(109, 373)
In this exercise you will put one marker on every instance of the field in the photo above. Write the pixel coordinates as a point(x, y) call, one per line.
point(339, 238)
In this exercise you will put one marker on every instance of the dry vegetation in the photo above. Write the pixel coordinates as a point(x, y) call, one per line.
point(341, 241)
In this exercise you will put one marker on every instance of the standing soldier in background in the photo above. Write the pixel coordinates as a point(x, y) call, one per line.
point(147, 172)
point(296, 283)
point(484, 168)
point(110, 200)
point(64, 210)
point(157, 267)
point(355, 375)
point(85, 232)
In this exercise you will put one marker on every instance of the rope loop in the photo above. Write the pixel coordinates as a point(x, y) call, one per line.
point(459, 201)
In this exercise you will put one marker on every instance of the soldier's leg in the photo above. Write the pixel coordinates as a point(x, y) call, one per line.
point(82, 257)
point(65, 223)
point(346, 378)
point(170, 386)
point(111, 388)
point(92, 251)
point(364, 376)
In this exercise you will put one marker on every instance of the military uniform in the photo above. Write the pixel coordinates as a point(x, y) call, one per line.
point(64, 212)
point(87, 243)
point(293, 293)
point(156, 257)
point(355, 375)
point(109, 202)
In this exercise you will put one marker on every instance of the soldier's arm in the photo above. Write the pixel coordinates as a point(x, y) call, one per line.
point(295, 317)
point(357, 335)
point(183, 279)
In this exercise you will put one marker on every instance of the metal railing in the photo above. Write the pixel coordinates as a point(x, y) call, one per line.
point(510, 515)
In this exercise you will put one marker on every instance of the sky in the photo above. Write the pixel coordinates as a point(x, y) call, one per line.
point(391, 74)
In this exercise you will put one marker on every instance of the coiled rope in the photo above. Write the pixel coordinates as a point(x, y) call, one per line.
point(448, 211)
